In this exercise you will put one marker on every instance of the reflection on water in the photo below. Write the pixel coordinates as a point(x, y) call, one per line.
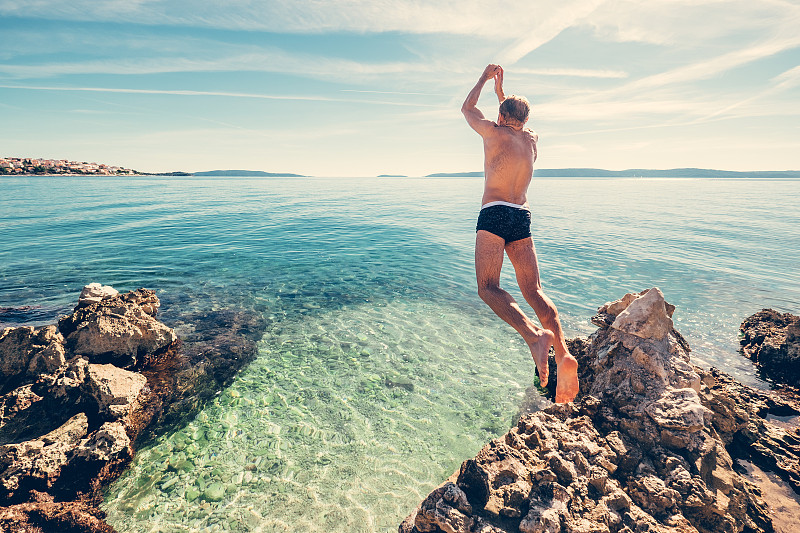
point(379, 370)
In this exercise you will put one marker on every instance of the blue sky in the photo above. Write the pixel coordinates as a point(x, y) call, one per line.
point(359, 87)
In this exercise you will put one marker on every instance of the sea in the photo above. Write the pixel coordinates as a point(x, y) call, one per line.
point(379, 370)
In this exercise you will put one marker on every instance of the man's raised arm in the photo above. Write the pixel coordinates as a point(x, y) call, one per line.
point(498, 85)
point(474, 117)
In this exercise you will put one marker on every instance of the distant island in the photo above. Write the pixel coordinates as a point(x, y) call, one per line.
point(392, 176)
point(247, 173)
point(637, 173)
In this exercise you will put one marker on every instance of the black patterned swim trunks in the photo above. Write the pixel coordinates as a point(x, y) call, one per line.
point(511, 222)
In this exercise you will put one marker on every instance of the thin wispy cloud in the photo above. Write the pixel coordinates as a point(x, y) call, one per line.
point(573, 72)
point(268, 61)
point(213, 93)
point(716, 65)
point(392, 92)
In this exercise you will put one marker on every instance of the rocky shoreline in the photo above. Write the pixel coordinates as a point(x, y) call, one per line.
point(77, 399)
point(652, 444)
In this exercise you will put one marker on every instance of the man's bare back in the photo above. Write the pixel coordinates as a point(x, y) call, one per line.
point(508, 164)
point(504, 226)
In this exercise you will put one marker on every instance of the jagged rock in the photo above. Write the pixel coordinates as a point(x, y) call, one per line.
point(36, 464)
point(109, 443)
point(114, 389)
point(121, 329)
point(94, 293)
point(650, 445)
point(26, 352)
point(63, 383)
point(772, 341)
point(618, 306)
point(13, 403)
point(646, 316)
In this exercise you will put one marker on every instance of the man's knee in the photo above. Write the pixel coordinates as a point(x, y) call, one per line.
point(487, 290)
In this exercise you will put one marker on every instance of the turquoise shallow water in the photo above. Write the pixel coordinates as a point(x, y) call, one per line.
point(379, 370)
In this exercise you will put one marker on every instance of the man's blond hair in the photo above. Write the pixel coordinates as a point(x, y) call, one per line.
point(515, 108)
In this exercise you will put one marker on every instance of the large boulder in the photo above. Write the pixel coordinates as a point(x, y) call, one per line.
point(119, 329)
point(772, 340)
point(649, 445)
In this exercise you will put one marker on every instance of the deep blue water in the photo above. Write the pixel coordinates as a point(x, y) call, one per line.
point(365, 280)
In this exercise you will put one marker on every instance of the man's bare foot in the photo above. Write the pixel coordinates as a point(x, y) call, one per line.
point(567, 387)
point(540, 350)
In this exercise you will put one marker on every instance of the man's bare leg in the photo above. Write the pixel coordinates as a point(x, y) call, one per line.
point(523, 256)
point(489, 249)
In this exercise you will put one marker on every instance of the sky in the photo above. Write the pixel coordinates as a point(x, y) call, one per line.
point(368, 87)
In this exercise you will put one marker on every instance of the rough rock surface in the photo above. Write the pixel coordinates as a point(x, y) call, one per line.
point(119, 329)
point(71, 417)
point(46, 517)
point(95, 293)
point(650, 445)
point(772, 340)
point(26, 352)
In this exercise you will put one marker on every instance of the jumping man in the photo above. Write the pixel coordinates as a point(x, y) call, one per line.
point(504, 222)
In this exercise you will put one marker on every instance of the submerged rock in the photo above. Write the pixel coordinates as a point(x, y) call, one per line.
point(772, 341)
point(650, 445)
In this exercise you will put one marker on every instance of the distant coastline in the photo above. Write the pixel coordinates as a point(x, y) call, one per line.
point(25, 166)
point(637, 173)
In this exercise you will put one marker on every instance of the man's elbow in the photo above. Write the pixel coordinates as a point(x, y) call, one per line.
point(466, 107)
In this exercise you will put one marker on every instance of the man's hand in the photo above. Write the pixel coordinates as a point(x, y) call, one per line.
point(490, 72)
point(498, 84)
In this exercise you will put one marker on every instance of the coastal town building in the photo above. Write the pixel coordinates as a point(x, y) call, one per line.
point(34, 166)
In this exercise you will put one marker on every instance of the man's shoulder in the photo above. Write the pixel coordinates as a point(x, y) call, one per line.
point(533, 135)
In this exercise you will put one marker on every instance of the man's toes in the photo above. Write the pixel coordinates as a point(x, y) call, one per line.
point(543, 377)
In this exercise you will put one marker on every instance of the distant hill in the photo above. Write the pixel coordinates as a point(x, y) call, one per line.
point(247, 173)
point(392, 176)
point(640, 173)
